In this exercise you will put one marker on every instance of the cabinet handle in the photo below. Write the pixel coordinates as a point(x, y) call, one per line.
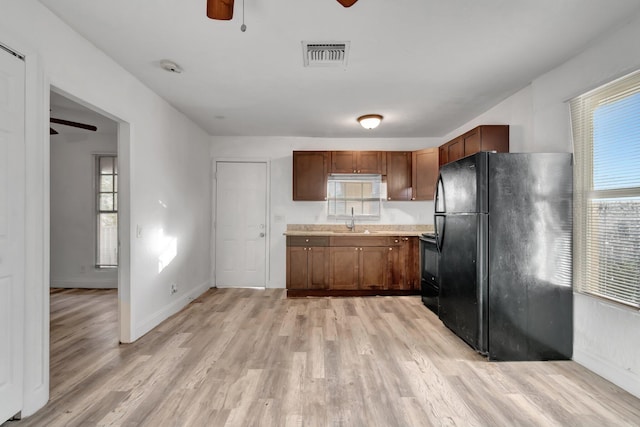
point(388, 198)
point(306, 240)
point(390, 249)
point(305, 249)
point(356, 249)
point(413, 198)
point(309, 249)
point(354, 171)
point(358, 170)
point(396, 241)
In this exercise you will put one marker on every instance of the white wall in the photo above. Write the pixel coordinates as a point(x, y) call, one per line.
point(169, 180)
point(283, 210)
point(606, 336)
point(73, 220)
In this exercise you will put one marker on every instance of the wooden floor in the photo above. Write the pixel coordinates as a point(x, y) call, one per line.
point(253, 358)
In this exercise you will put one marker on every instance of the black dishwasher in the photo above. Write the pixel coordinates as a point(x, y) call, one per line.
point(429, 259)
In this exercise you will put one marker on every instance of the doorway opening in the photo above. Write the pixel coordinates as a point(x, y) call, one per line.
point(88, 216)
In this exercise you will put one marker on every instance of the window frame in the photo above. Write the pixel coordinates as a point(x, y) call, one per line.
point(583, 111)
point(374, 179)
point(97, 191)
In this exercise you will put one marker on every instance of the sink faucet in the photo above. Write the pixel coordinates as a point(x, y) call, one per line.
point(351, 225)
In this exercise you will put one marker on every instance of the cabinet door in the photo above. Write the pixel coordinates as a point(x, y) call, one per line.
point(397, 265)
point(456, 150)
point(398, 175)
point(310, 171)
point(374, 265)
point(472, 143)
point(369, 162)
point(443, 155)
point(424, 173)
point(317, 268)
point(297, 270)
point(344, 266)
point(343, 162)
point(412, 276)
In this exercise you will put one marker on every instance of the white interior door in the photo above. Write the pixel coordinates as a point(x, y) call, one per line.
point(12, 189)
point(241, 224)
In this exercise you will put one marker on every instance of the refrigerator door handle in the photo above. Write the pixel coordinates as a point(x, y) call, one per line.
point(439, 228)
point(439, 196)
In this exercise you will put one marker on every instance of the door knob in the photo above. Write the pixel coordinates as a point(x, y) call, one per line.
point(261, 234)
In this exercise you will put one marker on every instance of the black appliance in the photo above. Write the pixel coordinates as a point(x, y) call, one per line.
point(429, 262)
point(503, 226)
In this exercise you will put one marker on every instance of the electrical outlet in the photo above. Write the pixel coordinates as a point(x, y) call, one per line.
point(173, 289)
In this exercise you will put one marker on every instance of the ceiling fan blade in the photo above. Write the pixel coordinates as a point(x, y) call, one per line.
point(52, 131)
point(220, 9)
point(347, 3)
point(74, 124)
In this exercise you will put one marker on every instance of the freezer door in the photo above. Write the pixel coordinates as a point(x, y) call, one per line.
point(462, 278)
point(462, 186)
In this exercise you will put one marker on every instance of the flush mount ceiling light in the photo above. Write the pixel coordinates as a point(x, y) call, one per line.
point(370, 121)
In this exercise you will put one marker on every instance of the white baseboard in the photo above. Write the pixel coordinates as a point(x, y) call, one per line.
point(623, 378)
point(164, 313)
point(84, 283)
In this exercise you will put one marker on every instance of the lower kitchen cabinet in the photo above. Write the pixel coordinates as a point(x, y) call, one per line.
point(358, 267)
point(344, 267)
point(307, 263)
point(353, 265)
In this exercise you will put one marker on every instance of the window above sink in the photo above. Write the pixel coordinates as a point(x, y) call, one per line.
point(358, 191)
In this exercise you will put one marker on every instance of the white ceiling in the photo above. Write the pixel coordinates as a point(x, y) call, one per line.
point(428, 66)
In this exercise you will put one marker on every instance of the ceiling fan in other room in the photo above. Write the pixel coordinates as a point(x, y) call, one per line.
point(52, 131)
point(223, 9)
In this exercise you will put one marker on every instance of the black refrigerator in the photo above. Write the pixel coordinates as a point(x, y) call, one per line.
point(503, 226)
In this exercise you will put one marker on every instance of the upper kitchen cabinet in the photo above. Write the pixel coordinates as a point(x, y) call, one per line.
point(310, 171)
point(357, 162)
point(398, 175)
point(424, 165)
point(482, 138)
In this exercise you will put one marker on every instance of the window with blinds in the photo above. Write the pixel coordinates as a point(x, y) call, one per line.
point(359, 192)
point(606, 133)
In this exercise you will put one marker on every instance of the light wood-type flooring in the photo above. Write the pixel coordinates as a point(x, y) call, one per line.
point(241, 357)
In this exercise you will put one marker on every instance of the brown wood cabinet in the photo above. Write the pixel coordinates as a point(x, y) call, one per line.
point(409, 175)
point(412, 245)
point(443, 154)
point(424, 169)
point(357, 265)
point(399, 175)
point(344, 267)
point(307, 262)
point(358, 262)
point(310, 172)
point(481, 138)
point(357, 162)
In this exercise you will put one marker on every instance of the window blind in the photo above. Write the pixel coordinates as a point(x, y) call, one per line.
point(606, 134)
point(359, 192)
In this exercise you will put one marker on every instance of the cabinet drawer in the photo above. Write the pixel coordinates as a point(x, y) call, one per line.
point(307, 241)
point(362, 240)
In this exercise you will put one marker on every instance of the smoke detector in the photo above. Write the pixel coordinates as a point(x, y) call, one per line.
point(325, 54)
point(170, 66)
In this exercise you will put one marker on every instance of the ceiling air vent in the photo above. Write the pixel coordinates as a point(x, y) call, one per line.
point(331, 54)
